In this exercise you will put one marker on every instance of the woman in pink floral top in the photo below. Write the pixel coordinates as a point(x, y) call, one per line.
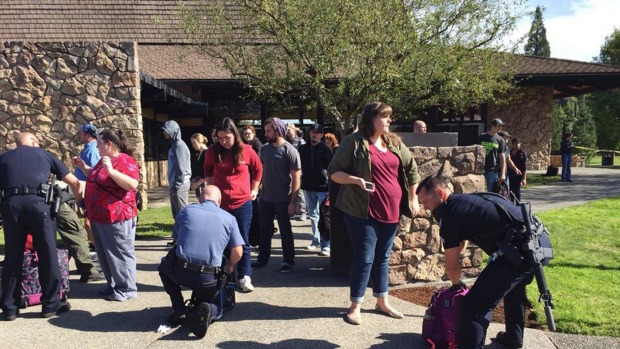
point(110, 202)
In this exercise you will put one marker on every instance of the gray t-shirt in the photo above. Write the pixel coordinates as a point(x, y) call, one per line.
point(278, 162)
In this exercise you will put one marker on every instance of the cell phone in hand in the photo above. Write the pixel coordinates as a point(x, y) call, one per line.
point(369, 186)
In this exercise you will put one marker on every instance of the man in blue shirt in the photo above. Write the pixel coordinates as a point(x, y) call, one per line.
point(196, 259)
point(90, 154)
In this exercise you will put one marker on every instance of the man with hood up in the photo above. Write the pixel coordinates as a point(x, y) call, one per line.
point(179, 168)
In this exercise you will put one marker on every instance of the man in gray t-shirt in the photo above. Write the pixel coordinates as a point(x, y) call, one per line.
point(281, 180)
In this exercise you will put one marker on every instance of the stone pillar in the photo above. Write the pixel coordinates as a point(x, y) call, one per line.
point(417, 254)
point(52, 89)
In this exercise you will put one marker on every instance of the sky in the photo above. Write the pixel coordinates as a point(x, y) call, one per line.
point(576, 29)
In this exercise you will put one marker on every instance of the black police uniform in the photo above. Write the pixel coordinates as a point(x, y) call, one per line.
point(470, 217)
point(22, 171)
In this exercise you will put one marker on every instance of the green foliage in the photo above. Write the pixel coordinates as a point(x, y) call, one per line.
point(339, 55)
point(537, 44)
point(605, 106)
point(155, 222)
point(584, 277)
point(558, 123)
point(584, 129)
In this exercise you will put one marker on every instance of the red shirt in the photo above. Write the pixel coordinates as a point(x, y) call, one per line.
point(384, 204)
point(106, 201)
point(234, 182)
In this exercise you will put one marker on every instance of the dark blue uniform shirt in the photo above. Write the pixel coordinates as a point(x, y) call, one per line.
point(470, 217)
point(27, 166)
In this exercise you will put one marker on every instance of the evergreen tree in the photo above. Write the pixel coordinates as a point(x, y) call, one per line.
point(605, 105)
point(584, 128)
point(537, 44)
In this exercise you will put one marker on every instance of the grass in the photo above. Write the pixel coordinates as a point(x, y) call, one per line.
point(584, 277)
point(155, 222)
point(534, 180)
point(596, 160)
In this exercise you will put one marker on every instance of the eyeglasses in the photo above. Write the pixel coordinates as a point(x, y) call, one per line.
point(247, 133)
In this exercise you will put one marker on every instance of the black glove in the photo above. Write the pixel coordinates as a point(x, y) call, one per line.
point(459, 285)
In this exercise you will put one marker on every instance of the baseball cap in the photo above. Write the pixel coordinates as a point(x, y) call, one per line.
point(90, 129)
point(497, 122)
point(504, 134)
point(317, 128)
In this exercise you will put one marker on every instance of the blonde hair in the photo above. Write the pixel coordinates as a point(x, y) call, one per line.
point(199, 138)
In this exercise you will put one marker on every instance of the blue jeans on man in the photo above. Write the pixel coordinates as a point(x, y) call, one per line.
point(243, 215)
point(567, 159)
point(372, 243)
point(267, 210)
point(313, 203)
point(490, 178)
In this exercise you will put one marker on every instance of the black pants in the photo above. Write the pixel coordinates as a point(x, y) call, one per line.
point(500, 279)
point(515, 186)
point(203, 285)
point(23, 214)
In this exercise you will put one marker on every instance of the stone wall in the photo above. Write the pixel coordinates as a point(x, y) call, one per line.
point(52, 89)
point(417, 254)
point(528, 117)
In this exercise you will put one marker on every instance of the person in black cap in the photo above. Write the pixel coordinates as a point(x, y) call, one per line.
point(315, 157)
point(24, 173)
point(495, 160)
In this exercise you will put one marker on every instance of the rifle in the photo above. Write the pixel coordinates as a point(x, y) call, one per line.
point(538, 256)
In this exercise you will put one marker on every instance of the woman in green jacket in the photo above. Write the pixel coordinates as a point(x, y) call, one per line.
point(378, 178)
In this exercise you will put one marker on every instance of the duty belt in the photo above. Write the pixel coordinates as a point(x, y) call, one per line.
point(205, 269)
point(7, 193)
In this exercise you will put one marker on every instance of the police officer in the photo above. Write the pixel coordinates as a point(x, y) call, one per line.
point(23, 172)
point(196, 259)
point(476, 218)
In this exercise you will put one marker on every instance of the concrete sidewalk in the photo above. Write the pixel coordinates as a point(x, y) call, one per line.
point(301, 309)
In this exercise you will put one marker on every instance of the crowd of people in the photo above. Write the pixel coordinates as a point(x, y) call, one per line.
point(375, 172)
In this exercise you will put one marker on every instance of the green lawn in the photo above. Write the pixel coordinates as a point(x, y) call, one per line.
point(584, 277)
point(534, 180)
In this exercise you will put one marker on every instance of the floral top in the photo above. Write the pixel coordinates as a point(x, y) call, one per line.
point(106, 201)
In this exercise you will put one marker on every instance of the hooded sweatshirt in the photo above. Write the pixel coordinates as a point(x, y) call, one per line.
point(179, 163)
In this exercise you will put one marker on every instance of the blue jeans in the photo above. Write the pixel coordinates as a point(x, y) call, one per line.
point(372, 243)
point(490, 178)
point(313, 201)
point(267, 210)
point(243, 215)
point(567, 159)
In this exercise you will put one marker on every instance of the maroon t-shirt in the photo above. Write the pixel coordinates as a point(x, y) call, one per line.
point(384, 204)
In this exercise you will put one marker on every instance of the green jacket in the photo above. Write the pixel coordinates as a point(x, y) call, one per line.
point(353, 157)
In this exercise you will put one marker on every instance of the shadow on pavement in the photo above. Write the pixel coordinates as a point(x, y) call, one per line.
point(296, 343)
point(146, 320)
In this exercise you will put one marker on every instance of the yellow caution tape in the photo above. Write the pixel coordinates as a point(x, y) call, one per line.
point(598, 150)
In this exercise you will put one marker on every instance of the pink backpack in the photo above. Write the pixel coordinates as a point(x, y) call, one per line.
point(440, 327)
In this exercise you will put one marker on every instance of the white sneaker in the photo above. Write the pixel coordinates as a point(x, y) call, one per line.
point(302, 217)
point(312, 247)
point(324, 252)
point(245, 284)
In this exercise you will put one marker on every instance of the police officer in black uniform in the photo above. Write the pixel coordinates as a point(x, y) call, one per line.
point(471, 217)
point(23, 172)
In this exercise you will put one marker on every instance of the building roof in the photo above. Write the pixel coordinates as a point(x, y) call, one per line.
point(164, 53)
point(144, 21)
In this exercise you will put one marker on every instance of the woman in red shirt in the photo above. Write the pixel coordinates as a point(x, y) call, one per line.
point(110, 202)
point(235, 168)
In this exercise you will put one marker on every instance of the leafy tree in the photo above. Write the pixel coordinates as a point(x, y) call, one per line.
point(605, 105)
point(537, 44)
point(338, 55)
point(584, 128)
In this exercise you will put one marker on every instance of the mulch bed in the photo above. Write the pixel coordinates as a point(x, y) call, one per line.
point(421, 295)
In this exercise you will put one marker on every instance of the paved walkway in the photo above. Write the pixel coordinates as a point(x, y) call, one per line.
point(301, 309)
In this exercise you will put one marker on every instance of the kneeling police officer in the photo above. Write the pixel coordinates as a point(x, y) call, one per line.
point(477, 218)
point(24, 172)
point(203, 233)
